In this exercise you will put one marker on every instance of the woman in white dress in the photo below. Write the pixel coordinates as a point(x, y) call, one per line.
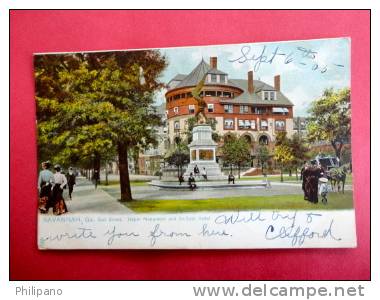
point(60, 181)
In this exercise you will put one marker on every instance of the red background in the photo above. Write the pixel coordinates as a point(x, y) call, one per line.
point(49, 31)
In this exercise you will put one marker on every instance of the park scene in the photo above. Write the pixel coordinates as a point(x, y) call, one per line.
point(211, 128)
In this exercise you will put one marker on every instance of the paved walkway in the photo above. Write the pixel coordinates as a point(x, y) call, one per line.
point(88, 200)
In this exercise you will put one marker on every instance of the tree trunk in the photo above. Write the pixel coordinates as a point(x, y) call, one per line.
point(125, 187)
point(239, 170)
point(106, 173)
point(136, 159)
point(296, 174)
point(282, 177)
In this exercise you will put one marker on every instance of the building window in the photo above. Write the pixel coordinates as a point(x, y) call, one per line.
point(264, 125)
point(175, 109)
point(210, 108)
point(226, 94)
point(223, 78)
point(213, 77)
point(243, 109)
point(177, 96)
point(259, 110)
point(191, 108)
point(272, 96)
point(280, 111)
point(279, 125)
point(189, 95)
point(263, 140)
point(228, 124)
point(247, 124)
point(183, 95)
point(228, 108)
point(218, 93)
point(210, 93)
point(176, 126)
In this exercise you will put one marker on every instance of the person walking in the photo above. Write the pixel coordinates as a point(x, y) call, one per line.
point(70, 181)
point(323, 189)
point(45, 181)
point(60, 182)
point(95, 178)
point(231, 178)
point(312, 175)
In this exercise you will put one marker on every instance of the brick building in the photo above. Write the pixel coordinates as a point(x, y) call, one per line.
point(248, 107)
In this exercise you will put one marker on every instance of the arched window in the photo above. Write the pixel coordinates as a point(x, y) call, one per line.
point(263, 140)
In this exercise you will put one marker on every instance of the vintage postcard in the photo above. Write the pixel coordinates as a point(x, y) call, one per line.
point(205, 147)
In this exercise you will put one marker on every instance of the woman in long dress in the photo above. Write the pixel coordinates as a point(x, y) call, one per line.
point(312, 175)
point(45, 181)
point(60, 181)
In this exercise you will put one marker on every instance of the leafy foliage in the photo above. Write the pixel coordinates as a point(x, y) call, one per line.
point(93, 105)
point(236, 150)
point(330, 118)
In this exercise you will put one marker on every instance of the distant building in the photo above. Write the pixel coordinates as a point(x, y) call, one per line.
point(300, 126)
point(150, 160)
point(248, 107)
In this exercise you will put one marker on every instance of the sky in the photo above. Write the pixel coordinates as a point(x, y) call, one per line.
point(306, 67)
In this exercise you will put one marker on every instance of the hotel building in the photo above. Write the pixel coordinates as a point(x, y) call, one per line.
point(248, 107)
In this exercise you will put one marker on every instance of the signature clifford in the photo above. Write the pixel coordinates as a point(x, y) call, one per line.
point(298, 233)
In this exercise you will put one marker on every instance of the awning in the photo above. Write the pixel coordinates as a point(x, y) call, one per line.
point(280, 110)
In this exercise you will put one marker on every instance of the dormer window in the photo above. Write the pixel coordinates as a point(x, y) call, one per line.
point(213, 77)
point(223, 78)
point(175, 109)
point(269, 95)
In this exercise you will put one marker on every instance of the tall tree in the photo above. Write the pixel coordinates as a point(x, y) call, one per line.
point(262, 155)
point(283, 155)
point(330, 119)
point(236, 151)
point(299, 151)
point(178, 155)
point(91, 104)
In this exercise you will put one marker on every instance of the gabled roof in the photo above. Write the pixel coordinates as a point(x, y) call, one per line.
point(256, 97)
point(179, 77)
point(203, 68)
point(197, 74)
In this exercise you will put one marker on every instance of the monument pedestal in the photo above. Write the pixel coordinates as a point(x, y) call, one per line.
point(203, 153)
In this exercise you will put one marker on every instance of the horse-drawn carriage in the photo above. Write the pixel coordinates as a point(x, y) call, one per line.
point(335, 174)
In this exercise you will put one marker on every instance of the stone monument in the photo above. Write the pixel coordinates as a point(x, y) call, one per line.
point(203, 153)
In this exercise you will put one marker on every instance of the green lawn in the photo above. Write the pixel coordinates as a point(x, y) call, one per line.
point(335, 201)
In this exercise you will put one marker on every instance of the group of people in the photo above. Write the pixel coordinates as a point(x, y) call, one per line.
point(204, 172)
point(191, 179)
point(314, 182)
point(51, 186)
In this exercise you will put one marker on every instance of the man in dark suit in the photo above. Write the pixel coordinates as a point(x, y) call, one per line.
point(70, 181)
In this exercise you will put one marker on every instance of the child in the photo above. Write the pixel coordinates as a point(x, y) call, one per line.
point(323, 189)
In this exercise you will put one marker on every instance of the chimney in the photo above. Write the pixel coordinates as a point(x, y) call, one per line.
point(277, 83)
point(251, 87)
point(214, 62)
